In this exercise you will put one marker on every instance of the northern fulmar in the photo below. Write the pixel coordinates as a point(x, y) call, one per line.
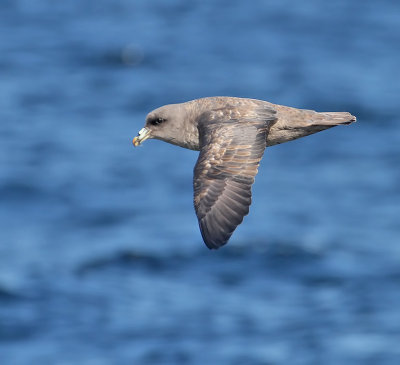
point(231, 134)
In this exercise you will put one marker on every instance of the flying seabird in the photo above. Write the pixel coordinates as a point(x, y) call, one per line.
point(231, 134)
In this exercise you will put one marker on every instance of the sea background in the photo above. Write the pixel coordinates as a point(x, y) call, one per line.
point(101, 259)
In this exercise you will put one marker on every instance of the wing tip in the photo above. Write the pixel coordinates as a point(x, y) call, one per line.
point(212, 241)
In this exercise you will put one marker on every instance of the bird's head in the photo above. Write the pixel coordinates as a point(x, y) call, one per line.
point(167, 124)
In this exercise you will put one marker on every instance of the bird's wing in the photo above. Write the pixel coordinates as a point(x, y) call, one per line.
point(230, 152)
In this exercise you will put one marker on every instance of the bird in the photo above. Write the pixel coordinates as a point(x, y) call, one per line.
point(231, 134)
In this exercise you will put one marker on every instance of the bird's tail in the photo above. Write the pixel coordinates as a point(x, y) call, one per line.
point(335, 118)
point(296, 123)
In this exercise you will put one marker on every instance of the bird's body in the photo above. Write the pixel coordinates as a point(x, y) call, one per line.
point(231, 135)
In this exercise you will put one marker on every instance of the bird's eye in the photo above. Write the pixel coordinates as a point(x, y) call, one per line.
point(157, 121)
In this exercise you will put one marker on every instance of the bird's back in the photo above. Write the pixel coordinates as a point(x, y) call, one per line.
point(291, 123)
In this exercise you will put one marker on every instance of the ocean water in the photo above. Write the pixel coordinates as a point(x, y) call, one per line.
point(101, 259)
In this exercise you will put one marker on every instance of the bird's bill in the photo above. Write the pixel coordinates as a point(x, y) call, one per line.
point(143, 134)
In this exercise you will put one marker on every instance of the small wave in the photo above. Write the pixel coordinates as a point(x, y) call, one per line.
point(8, 295)
point(123, 259)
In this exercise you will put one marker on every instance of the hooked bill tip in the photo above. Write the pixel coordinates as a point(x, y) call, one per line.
point(135, 142)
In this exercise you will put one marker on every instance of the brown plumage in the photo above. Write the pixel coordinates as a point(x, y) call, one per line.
point(231, 134)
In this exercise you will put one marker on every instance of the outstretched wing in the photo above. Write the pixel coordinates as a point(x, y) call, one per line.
point(230, 152)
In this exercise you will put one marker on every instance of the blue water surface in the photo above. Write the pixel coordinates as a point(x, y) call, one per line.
point(101, 259)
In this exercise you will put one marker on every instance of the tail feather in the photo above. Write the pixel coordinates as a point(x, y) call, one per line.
point(334, 118)
point(296, 123)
